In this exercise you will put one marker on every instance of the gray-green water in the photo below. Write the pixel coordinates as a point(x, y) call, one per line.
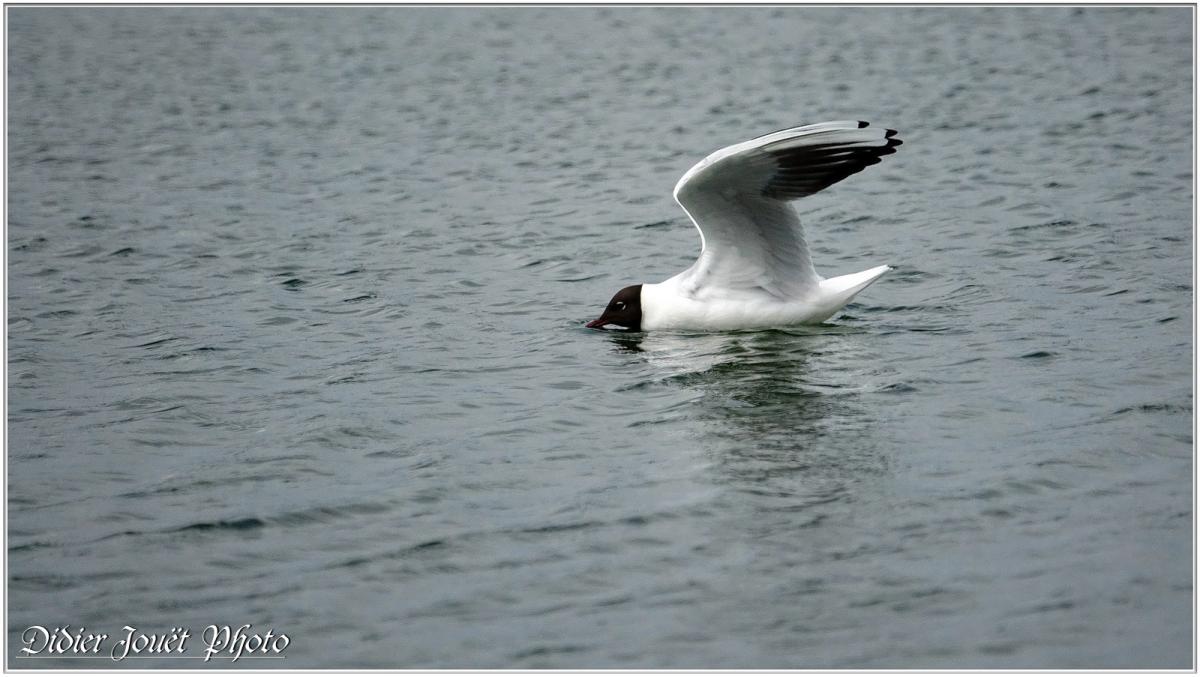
point(294, 339)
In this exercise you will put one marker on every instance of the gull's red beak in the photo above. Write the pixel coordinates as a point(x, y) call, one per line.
point(596, 323)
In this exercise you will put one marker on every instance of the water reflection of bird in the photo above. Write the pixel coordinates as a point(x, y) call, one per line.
point(774, 405)
point(760, 380)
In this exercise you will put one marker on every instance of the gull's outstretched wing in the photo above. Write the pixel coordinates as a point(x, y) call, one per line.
point(738, 198)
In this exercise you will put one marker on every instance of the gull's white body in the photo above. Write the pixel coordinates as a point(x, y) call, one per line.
point(754, 269)
point(671, 305)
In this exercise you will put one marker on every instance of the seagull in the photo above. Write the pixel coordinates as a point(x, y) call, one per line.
point(754, 270)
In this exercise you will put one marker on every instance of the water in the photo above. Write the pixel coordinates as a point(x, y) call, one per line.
point(294, 339)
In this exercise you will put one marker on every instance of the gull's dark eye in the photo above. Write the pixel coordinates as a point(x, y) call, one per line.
point(619, 305)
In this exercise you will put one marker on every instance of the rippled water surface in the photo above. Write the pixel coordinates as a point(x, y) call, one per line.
point(294, 339)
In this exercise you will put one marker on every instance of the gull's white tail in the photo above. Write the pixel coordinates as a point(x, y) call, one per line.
point(842, 289)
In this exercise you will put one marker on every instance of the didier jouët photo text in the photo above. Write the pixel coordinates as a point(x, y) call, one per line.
point(218, 640)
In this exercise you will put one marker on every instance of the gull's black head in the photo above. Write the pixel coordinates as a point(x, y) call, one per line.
point(624, 310)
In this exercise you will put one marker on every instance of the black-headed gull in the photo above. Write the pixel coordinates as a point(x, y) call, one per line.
point(754, 270)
